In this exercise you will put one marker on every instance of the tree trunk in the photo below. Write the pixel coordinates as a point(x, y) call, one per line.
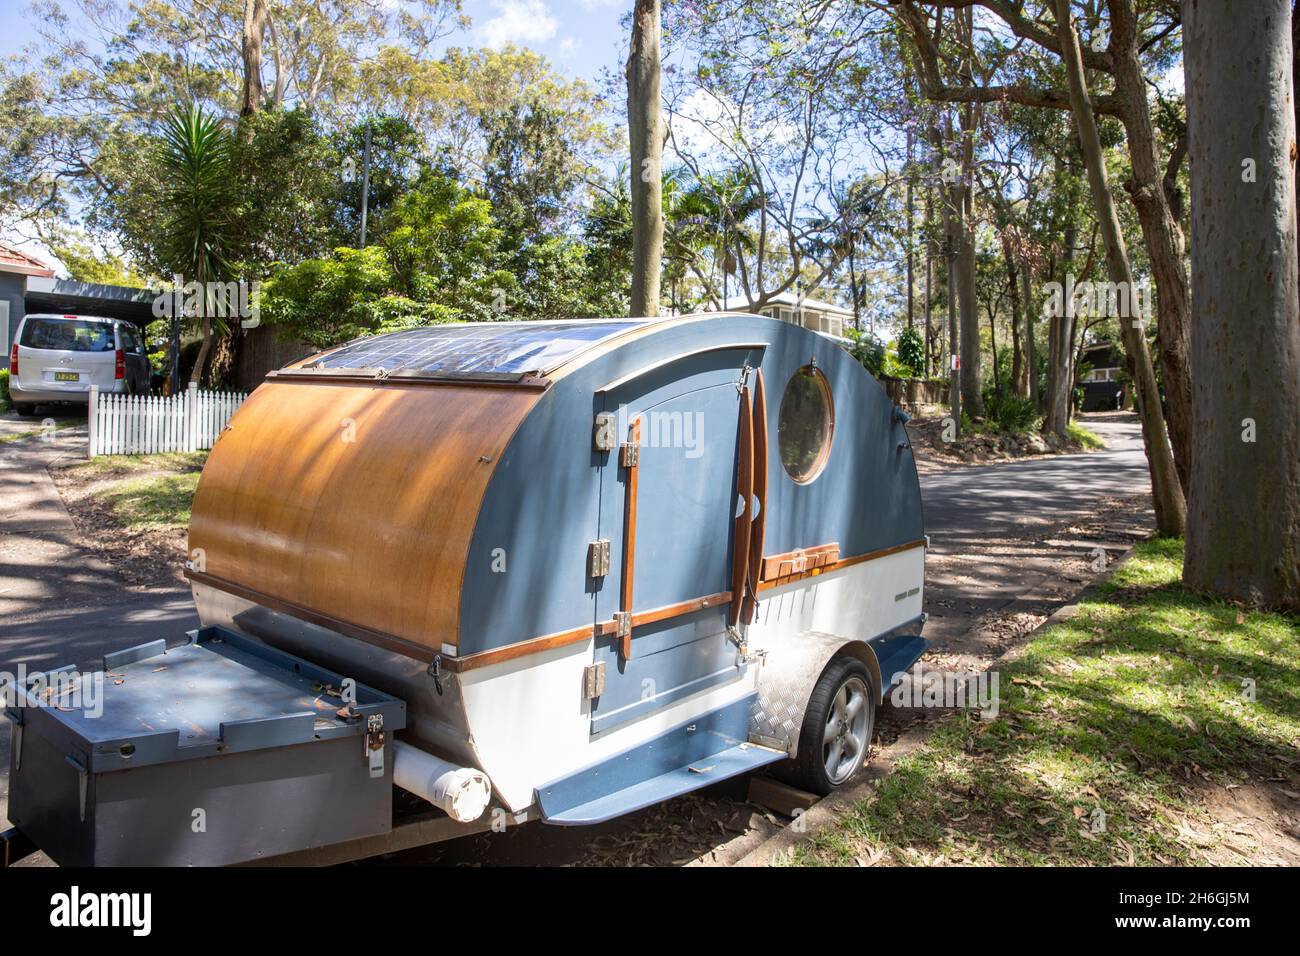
point(1162, 234)
point(1243, 529)
point(949, 207)
point(966, 299)
point(911, 220)
point(1018, 384)
point(645, 130)
point(201, 360)
point(929, 288)
point(1058, 337)
point(1031, 366)
point(1166, 492)
point(254, 26)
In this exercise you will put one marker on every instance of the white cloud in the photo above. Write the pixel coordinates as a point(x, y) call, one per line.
point(518, 21)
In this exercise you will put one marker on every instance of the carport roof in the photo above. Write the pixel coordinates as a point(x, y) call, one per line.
point(47, 294)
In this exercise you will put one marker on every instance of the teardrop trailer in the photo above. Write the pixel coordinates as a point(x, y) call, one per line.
point(553, 571)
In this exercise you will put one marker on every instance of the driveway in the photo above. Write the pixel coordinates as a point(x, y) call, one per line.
point(59, 604)
point(1009, 543)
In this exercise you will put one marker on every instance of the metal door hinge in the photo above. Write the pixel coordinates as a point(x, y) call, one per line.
point(622, 623)
point(630, 455)
point(593, 681)
point(375, 744)
point(605, 433)
point(598, 558)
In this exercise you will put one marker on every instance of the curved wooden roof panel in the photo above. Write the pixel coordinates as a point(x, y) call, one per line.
point(353, 504)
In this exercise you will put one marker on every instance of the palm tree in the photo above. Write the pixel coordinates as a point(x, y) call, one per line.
point(704, 214)
point(199, 197)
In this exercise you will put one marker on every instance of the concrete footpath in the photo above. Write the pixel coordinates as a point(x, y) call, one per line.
point(60, 604)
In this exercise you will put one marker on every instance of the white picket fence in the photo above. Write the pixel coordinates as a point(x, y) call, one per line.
point(144, 424)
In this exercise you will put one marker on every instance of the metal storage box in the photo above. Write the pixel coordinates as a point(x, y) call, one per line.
point(219, 751)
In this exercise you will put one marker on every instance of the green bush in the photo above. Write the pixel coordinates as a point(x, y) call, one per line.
point(911, 352)
point(867, 349)
point(1012, 413)
point(4, 390)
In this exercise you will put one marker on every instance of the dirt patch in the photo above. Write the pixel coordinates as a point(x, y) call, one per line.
point(1257, 823)
point(935, 448)
point(145, 556)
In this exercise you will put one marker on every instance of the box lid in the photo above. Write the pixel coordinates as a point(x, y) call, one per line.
point(221, 693)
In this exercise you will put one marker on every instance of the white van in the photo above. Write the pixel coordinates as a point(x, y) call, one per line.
point(56, 358)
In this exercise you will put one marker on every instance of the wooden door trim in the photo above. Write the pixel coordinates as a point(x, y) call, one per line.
point(758, 526)
point(744, 492)
point(828, 565)
point(630, 458)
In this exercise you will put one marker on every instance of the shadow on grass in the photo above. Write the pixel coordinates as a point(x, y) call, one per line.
point(1111, 727)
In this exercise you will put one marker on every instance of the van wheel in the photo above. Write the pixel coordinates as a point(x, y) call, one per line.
point(26, 409)
point(837, 728)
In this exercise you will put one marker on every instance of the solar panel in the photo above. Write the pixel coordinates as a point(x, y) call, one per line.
point(483, 348)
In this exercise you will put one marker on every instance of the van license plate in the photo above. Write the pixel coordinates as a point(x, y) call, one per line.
point(67, 376)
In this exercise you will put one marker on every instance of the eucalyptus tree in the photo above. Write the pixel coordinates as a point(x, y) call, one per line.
point(645, 133)
point(1129, 45)
point(1243, 528)
point(1166, 492)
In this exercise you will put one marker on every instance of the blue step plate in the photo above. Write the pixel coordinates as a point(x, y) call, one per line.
point(704, 751)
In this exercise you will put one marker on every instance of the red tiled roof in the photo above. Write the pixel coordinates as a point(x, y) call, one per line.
point(12, 260)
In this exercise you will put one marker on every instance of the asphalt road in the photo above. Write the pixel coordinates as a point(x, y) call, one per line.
point(59, 605)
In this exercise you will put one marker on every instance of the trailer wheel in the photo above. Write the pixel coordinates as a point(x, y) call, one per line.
point(837, 728)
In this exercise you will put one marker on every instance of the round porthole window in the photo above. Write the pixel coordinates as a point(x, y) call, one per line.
point(806, 424)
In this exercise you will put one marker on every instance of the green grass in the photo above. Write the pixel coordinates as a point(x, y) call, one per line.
point(1088, 439)
point(1135, 706)
point(158, 502)
point(149, 499)
point(123, 465)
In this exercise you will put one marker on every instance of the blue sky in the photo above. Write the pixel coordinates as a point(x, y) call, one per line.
point(580, 37)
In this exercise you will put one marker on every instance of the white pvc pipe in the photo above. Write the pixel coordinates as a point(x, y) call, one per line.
point(463, 793)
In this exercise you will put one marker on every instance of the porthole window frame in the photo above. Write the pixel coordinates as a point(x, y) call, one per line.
point(813, 370)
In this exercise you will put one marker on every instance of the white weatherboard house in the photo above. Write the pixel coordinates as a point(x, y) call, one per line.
point(815, 314)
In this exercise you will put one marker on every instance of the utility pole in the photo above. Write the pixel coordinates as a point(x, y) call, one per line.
point(365, 184)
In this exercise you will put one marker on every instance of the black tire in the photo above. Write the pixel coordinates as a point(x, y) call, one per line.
point(807, 770)
point(26, 409)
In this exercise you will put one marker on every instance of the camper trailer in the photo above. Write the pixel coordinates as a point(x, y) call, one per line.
point(552, 571)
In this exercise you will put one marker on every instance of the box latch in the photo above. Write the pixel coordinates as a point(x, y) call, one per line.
point(375, 744)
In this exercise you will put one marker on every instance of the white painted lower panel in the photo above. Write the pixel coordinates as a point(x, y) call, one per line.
point(530, 725)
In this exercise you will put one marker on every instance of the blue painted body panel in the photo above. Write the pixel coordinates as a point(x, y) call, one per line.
point(552, 493)
point(705, 751)
point(897, 650)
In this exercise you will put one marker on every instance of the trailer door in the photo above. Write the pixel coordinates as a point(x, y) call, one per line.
point(671, 511)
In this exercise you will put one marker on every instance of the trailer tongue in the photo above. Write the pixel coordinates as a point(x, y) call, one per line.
point(219, 751)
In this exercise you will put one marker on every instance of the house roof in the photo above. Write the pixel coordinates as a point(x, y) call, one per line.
point(15, 260)
point(740, 303)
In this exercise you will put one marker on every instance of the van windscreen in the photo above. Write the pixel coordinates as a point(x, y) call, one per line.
point(69, 335)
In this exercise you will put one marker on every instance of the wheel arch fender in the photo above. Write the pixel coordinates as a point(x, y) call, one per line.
point(790, 671)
